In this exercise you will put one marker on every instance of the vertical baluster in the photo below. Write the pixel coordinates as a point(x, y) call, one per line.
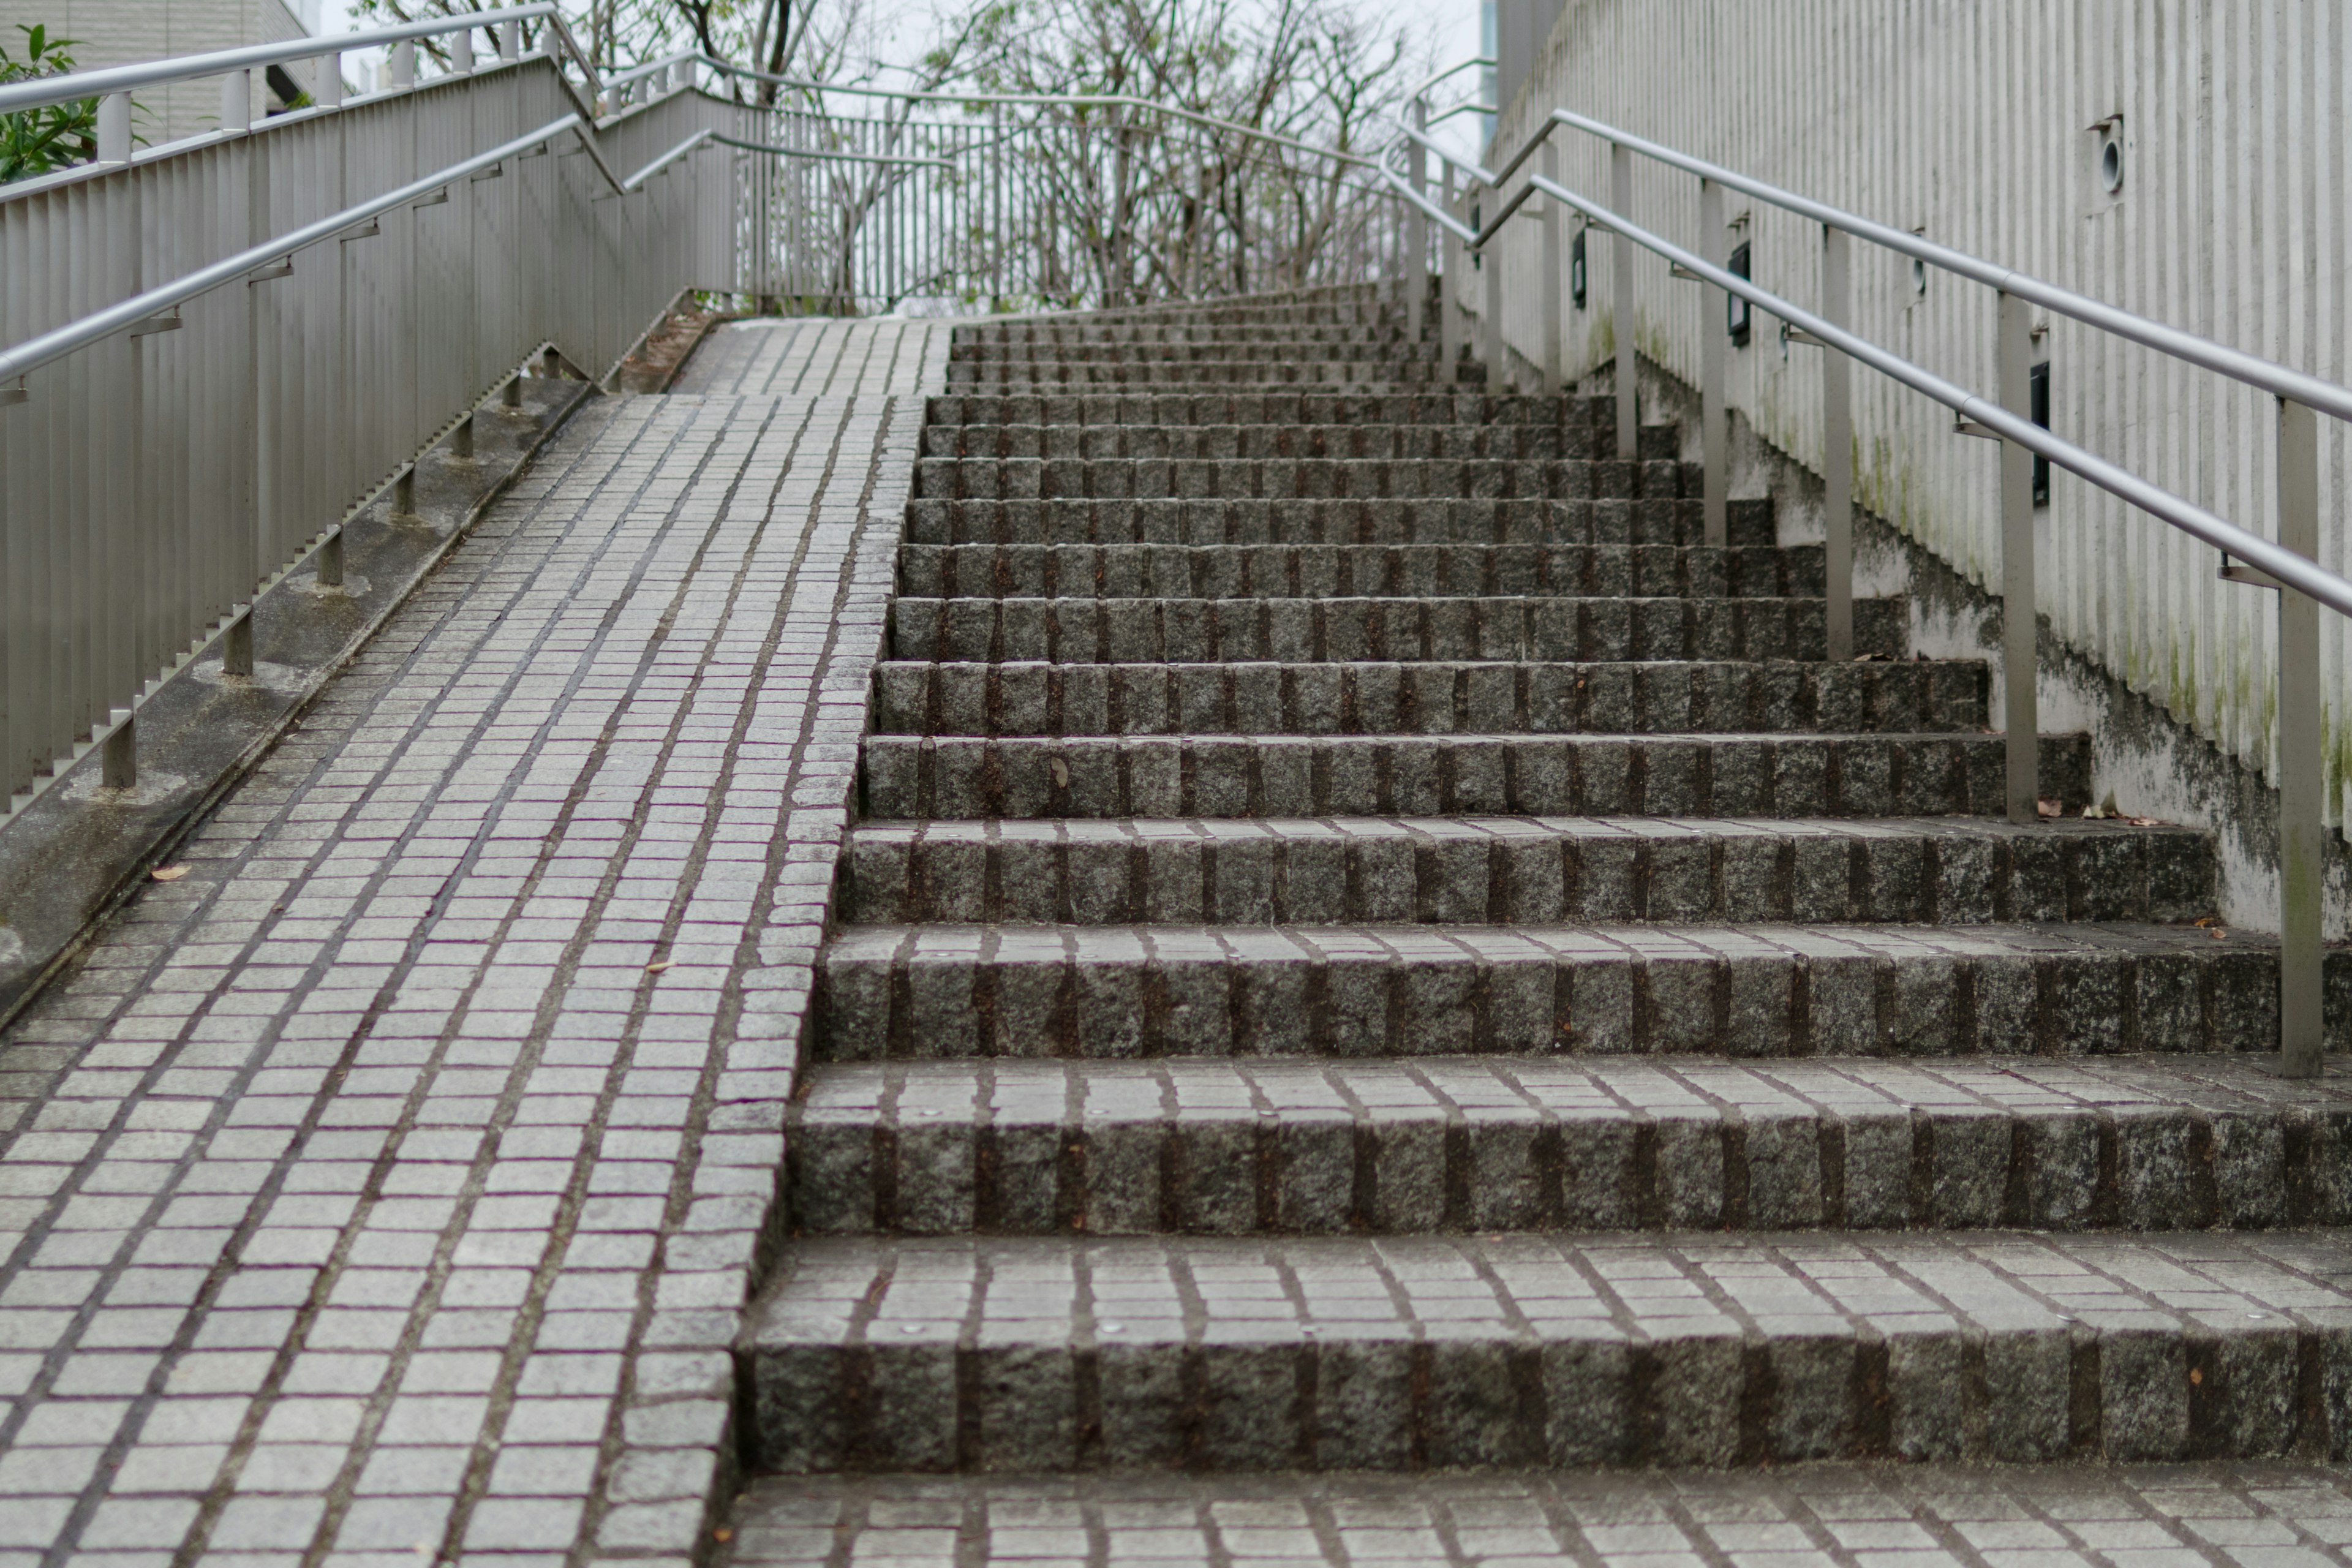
point(114, 128)
point(237, 101)
point(1837, 453)
point(1490, 329)
point(2020, 715)
point(1620, 200)
point(2301, 776)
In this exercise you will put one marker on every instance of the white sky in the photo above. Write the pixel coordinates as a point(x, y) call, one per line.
point(1454, 22)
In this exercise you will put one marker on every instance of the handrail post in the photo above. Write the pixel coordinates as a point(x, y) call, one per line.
point(1417, 228)
point(1490, 330)
point(1620, 200)
point(114, 128)
point(510, 39)
point(1837, 455)
point(2302, 780)
point(404, 63)
point(1551, 278)
point(237, 101)
point(1713, 422)
point(328, 70)
point(1449, 279)
point(2020, 660)
point(461, 52)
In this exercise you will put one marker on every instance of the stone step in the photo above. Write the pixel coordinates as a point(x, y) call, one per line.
point(1214, 349)
point(1750, 991)
point(1434, 698)
point(1772, 775)
point(1520, 870)
point(1965, 1516)
point(1300, 522)
point(1536, 1350)
point(1091, 333)
point(1415, 1146)
point(1347, 571)
point(1271, 372)
point(1095, 442)
point(1276, 408)
point(1299, 479)
point(1298, 631)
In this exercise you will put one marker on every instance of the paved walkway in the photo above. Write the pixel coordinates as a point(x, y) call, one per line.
point(384, 1188)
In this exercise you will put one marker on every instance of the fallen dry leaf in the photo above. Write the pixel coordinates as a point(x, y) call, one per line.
point(2048, 808)
point(1061, 774)
point(657, 966)
point(168, 873)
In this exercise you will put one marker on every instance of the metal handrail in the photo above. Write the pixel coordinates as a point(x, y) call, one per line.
point(57, 343)
point(2285, 564)
point(1044, 100)
point(98, 83)
point(812, 153)
point(638, 179)
point(2252, 370)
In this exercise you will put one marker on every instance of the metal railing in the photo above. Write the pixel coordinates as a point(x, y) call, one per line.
point(217, 351)
point(2285, 564)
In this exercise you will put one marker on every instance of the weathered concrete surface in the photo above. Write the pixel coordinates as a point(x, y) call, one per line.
point(80, 848)
point(385, 1189)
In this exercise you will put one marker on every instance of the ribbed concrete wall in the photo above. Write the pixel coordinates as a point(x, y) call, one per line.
point(1981, 122)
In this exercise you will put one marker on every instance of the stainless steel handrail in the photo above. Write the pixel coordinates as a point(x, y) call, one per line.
point(812, 153)
point(98, 83)
point(1044, 100)
point(2238, 365)
point(2285, 564)
point(56, 344)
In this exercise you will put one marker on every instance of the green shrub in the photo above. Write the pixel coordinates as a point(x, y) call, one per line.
point(35, 140)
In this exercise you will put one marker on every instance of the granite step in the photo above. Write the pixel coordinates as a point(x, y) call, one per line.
point(1547, 1350)
point(1355, 629)
point(1519, 442)
point(1429, 698)
point(1297, 478)
point(1271, 371)
point(1346, 571)
point(1216, 348)
point(1520, 870)
point(1771, 775)
point(1422, 1145)
point(1744, 991)
point(1678, 521)
point(1385, 329)
point(1276, 408)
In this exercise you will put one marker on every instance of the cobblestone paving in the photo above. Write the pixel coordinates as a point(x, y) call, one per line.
point(1831, 1516)
point(384, 1188)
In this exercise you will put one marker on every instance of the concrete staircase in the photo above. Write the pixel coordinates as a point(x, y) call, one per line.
point(1370, 947)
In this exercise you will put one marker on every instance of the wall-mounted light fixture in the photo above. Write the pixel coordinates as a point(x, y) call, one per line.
point(1576, 267)
point(2037, 385)
point(1736, 317)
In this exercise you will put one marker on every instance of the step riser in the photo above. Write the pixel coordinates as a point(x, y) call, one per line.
point(1585, 1393)
point(1110, 409)
point(988, 1154)
point(1293, 479)
point(1199, 994)
point(1345, 442)
point(1431, 699)
point(1326, 523)
point(892, 876)
point(1300, 631)
point(1343, 571)
point(1766, 776)
point(1277, 372)
point(1342, 348)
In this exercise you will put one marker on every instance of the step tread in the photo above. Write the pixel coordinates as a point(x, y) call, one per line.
point(1407, 1145)
point(1549, 1349)
point(2064, 1516)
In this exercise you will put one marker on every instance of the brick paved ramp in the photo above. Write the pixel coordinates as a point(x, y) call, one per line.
point(1815, 1516)
point(1369, 948)
point(388, 1188)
